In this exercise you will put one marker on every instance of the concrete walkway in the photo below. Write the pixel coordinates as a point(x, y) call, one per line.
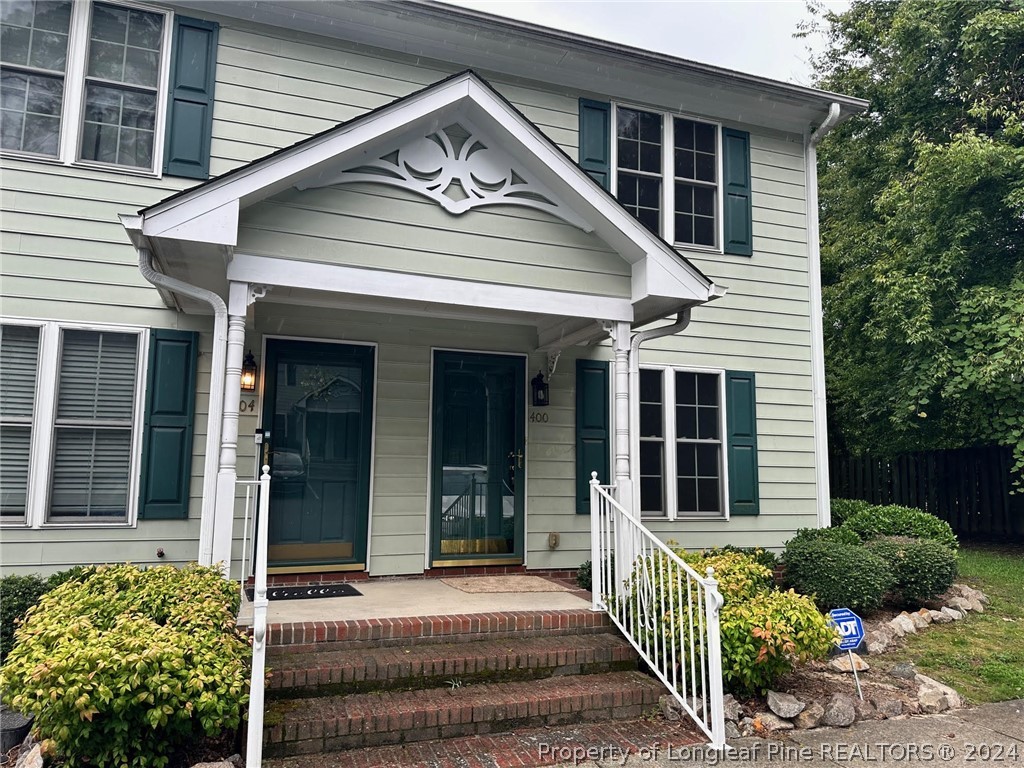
point(989, 735)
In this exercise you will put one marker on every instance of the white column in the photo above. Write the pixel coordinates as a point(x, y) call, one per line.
point(227, 476)
point(620, 379)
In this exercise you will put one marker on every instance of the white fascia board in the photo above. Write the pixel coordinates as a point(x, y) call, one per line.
point(218, 226)
point(263, 177)
point(651, 277)
point(394, 285)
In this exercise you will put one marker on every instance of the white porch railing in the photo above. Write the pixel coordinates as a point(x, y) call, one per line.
point(666, 610)
point(254, 743)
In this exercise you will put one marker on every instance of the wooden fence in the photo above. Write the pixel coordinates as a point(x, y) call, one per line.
point(969, 488)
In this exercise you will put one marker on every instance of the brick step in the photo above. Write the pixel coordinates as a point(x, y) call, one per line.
point(529, 747)
point(308, 726)
point(428, 666)
point(368, 633)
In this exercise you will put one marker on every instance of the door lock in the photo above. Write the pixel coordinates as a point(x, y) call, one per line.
point(514, 457)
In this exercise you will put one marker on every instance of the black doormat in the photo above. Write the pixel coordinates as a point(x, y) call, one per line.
point(307, 592)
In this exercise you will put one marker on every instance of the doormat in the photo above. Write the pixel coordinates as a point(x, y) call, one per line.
point(307, 592)
point(485, 584)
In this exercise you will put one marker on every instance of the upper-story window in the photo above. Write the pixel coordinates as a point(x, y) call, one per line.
point(667, 175)
point(82, 82)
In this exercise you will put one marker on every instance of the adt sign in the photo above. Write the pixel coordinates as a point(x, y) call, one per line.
point(850, 627)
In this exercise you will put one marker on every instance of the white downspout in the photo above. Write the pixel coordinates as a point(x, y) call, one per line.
point(216, 400)
point(638, 338)
point(817, 330)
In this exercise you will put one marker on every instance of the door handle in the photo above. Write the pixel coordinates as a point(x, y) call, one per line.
point(515, 456)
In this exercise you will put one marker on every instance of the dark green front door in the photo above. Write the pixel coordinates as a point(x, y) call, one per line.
point(478, 476)
point(318, 408)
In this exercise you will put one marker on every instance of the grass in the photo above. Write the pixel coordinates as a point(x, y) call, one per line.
point(981, 656)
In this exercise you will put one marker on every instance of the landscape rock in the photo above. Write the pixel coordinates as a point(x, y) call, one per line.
point(670, 708)
point(938, 617)
point(889, 707)
point(839, 711)
point(732, 731)
point(904, 670)
point(927, 683)
point(925, 614)
point(772, 722)
point(733, 710)
point(865, 709)
point(878, 640)
point(932, 700)
point(954, 615)
point(919, 621)
point(843, 663)
point(810, 717)
point(31, 759)
point(964, 605)
point(785, 704)
point(962, 590)
point(746, 727)
point(903, 625)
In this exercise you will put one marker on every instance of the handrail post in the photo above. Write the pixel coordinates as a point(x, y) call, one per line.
point(596, 560)
point(254, 741)
point(712, 605)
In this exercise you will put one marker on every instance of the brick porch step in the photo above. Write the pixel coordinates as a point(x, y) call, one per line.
point(531, 747)
point(344, 722)
point(425, 666)
point(309, 636)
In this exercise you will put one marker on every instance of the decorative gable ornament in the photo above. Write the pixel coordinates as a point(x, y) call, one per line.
point(456, 169)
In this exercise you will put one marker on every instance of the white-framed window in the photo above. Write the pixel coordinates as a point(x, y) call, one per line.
point(683, 465)
point(84, 82)
point(70, 423)
point(667, 173)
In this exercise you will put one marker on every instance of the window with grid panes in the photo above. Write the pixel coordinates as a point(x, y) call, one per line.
point(19, 363)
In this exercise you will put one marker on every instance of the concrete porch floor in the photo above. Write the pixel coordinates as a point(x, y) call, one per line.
point(400, 598)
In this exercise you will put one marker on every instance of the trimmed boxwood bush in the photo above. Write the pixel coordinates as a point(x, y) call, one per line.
point(923, 568)
point(837, 575)
point(764, 631)
point(842, 509)
point(585, 573)
point(895, 520)
point(127, 666)
point(836, 535)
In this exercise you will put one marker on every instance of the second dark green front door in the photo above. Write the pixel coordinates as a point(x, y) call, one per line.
point(318, 408)
point(478, 476)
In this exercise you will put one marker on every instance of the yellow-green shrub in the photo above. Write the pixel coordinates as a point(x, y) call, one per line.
point(127, 665)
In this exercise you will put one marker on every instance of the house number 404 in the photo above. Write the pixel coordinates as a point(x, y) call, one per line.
point(246, 407)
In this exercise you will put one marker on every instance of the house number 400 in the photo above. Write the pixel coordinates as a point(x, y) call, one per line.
point(538, 417)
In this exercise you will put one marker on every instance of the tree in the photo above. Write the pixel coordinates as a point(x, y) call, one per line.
point(922, 225)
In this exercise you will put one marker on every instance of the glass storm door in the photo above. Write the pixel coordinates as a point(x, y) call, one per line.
point(478, 463)
point(318, 409)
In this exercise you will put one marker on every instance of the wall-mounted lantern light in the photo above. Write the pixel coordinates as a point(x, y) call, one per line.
point(540, 390)
point(249, 372)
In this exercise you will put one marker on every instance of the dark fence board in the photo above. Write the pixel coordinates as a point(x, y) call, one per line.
point(969, 488)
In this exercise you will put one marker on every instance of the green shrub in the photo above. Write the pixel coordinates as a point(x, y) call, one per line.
point(843, 509)
point(17, 595)
point(764, 557)
point(763, 630)
point(585, 573)
point(895, 520)
point(837, 575)
point(763, 636)
point(835, 535)
point(126, 666)
point(923, 568)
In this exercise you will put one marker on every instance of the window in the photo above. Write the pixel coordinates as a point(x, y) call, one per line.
point(681, 424)
point(82, 81)
point(673, 193)
point(68, 450)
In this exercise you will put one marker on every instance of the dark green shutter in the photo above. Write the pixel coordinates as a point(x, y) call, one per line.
point(739, 238)
point(595, 140)
point(593, 429)
point(190, 107)
point(741, 420)
point(167, 430)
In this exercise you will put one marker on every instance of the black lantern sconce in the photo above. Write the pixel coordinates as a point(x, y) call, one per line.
point(539, 387)
point(249, 373)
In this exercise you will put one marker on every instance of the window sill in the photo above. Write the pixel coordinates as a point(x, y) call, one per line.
point(704, 250)
point(143, 173)
point(685, 519)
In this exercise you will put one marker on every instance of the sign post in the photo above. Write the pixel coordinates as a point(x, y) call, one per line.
point(851, 632)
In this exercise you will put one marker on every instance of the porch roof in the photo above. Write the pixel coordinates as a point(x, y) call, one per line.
point(194, 234)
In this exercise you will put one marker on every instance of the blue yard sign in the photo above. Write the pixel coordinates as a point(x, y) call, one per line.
point(850, 627)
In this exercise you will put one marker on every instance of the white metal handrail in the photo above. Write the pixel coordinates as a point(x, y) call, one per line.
point(663, 607)
point(248, 533)
point(254, 742)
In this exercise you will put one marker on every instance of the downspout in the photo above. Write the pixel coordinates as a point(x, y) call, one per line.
point(817, 329)
point(216, 401)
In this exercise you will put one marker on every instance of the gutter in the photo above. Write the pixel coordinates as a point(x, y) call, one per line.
point(216, 399)
point(817, 329)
